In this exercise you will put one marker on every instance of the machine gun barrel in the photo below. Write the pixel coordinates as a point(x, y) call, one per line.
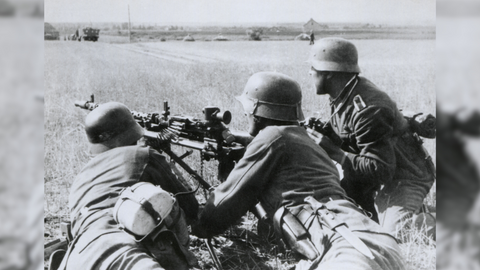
point(85, 104)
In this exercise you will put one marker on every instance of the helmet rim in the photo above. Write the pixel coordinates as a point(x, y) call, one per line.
point(334, 66)
point(334, 54)
point(111, 125)
point(122, 139)
point(272, 95)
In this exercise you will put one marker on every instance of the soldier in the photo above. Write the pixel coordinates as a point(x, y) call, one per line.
point(119, 163)
point(298, 186)
point(312, 38)
point(375, 145)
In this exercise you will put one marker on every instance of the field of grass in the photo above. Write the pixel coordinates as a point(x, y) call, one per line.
point(193, 75)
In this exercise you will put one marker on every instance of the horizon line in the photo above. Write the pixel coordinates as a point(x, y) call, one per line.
point(240, 23)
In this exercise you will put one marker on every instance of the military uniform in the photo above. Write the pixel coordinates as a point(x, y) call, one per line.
point(281, 167)
point(380, 151)
point(98, 242)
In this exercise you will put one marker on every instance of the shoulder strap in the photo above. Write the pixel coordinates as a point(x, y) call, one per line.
point(359, 103)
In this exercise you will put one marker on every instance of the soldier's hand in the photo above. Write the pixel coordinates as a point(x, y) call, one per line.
point(315, 136)
point(243, 138)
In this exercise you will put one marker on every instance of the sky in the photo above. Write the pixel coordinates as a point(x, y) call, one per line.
point(406, 12)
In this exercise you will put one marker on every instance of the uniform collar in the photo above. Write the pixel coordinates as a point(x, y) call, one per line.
point(344, 99)
point(346, 91)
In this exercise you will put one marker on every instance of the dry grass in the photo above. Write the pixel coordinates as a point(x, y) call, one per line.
point(200, 74)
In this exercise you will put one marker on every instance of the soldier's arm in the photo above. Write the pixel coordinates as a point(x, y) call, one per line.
point(240, 192)
point(373, 133)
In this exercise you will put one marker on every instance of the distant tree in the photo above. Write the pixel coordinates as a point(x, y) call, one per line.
point(124, 26)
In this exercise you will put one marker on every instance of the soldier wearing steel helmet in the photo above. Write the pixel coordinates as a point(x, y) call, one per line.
point(298, 186)
point(119, 163)
point(376, 149)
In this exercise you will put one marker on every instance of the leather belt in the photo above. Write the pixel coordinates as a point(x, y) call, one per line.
point(316, 210)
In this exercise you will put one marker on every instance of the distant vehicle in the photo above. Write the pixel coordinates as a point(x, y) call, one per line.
point(220, 37)
point(188, 38)
point(50, 33)
point(302, 36)
point(90, 34)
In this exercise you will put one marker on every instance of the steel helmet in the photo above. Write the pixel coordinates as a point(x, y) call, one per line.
point(144, 207)
point(111, 125)
point(274, 96)
point(334, 54)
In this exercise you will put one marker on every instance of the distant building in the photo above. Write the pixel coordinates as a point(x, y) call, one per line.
point(313, 25)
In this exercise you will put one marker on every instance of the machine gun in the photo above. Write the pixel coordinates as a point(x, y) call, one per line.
point(210, 136)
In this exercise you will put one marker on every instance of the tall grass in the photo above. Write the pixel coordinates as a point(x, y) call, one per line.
point(217, 72)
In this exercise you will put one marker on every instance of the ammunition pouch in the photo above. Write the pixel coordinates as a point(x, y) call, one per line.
point(294, 234)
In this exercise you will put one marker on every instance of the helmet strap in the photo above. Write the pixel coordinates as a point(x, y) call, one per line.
point(342, 92)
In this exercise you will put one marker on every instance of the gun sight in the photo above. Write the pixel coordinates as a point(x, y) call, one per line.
point(213, 114)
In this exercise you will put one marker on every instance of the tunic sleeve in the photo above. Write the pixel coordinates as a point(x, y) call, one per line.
point(242, 189)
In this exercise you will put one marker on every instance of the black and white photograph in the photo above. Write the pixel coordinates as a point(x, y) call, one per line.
point(195, 134)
